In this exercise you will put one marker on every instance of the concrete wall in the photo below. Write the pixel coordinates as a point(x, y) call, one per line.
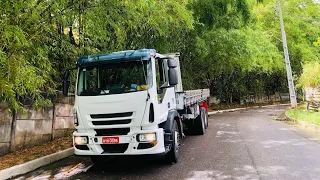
point(312, 94)
point(277, 97)
point(35, 126)
point(63, 117)
point(5, 128)
point(32, 128)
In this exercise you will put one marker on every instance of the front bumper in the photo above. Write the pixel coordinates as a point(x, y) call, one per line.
point(128, 143)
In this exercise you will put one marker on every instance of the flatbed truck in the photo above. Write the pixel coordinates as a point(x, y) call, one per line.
point(132, 103)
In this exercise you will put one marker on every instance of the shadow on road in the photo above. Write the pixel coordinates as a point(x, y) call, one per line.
point(129, 165)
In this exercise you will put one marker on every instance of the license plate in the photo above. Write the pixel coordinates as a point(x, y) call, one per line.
point(110, 140)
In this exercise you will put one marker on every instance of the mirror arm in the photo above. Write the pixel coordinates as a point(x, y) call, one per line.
point(66, 81)
point(165, 87)
point(71, 69)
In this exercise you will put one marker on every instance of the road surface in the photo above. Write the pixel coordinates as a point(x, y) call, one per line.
point(247, 144)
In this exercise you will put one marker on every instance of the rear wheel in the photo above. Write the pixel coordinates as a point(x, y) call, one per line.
point(173, 155)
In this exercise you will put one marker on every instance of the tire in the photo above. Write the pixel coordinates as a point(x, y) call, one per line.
point(173, 155)
point(200, 123)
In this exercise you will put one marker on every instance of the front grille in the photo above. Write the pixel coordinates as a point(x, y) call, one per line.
point(99, 123)
point(112, 132)
point(114, 115)
point(114, 148)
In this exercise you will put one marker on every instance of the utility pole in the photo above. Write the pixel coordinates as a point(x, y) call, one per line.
point(293, 98)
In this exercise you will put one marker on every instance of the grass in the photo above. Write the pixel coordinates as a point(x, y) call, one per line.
point(28, 154)
point(302, 114)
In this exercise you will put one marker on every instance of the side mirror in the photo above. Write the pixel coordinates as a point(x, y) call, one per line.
point(65, 85)
point(173, 77)
point(172, 63)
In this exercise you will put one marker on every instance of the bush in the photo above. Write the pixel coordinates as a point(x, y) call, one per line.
point(310, 76)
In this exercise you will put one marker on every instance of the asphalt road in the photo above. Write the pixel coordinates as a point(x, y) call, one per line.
point(247, 144)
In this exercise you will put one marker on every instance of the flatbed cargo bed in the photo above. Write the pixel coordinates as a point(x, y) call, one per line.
point(191, 97)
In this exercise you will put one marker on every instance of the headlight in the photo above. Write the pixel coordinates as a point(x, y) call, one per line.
point(150, 137)
point(75, 118)
point(79, 140)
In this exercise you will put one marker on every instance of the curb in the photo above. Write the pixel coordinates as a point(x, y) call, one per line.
point(238, 109)
point(290, 118)
point(35, 164)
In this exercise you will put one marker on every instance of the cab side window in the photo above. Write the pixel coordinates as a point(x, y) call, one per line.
point(161, 76)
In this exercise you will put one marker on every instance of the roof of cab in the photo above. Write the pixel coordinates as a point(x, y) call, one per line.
point(128, 55)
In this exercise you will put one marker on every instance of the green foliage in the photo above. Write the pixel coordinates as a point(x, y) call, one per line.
point(301, 25)
point(317, 43)
point(239, 51)
point(302, 114)
point(310, 76)
point(225, 14)
point(25, 66)
point(230, 46)
point(40, 39)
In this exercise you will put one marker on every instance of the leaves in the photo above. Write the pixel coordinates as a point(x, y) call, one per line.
point(310, 76)
point(231, 46)
point(239, 48)
point(317, 43)
point(40, 39)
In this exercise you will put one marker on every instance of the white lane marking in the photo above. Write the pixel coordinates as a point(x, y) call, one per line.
point(219, 133)
point(201, 175)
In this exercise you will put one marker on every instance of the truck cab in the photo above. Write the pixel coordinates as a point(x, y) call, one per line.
point(126, 104)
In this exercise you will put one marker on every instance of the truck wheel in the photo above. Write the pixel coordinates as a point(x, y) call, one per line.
point(173, 155)
point(200, 123)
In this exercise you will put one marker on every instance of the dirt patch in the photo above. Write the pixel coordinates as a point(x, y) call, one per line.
point(28, 154)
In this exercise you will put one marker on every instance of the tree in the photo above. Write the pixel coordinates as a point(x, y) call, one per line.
point(310, 76)
point(230, 46)
point(40, 39)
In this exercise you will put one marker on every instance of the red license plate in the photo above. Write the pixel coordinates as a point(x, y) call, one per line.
point(110, 140)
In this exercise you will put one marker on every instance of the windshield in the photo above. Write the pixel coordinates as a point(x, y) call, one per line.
point(115, 78)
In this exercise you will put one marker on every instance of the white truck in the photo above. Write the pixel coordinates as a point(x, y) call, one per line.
point(132, 103)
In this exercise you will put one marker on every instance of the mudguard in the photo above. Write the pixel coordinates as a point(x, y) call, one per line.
point(168, 125)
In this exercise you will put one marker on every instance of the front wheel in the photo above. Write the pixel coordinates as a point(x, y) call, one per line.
point(173, 155)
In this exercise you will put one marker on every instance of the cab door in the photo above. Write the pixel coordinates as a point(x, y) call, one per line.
point(165, 94)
